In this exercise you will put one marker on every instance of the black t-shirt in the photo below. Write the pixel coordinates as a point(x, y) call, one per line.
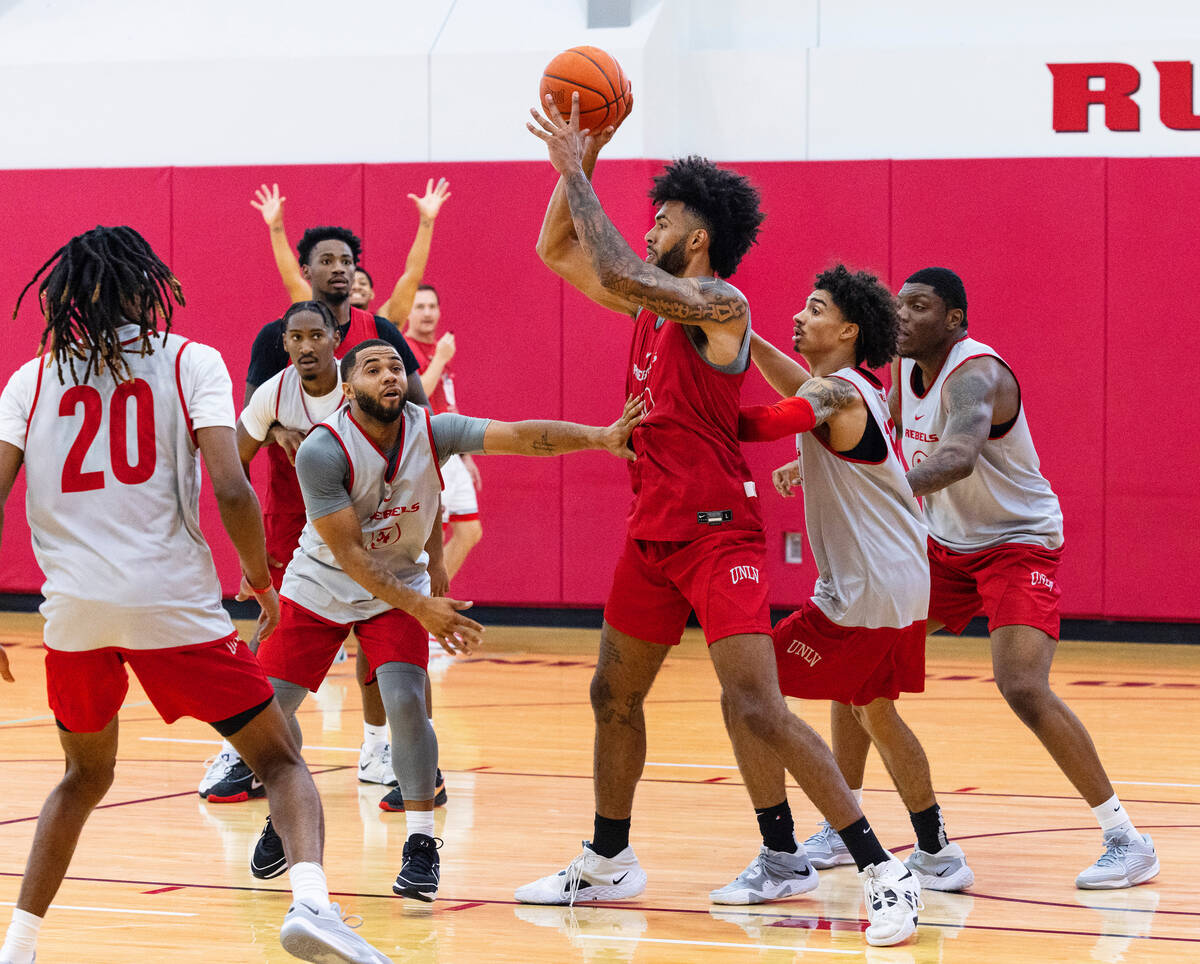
point(268, 356)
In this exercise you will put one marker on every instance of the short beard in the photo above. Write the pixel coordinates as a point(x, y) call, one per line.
point(335, 298)
point(374, 407)
point(674, 260)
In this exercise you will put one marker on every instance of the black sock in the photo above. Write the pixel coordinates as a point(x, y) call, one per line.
point(930, 828)
point(860, 840)
point(775, 824)
point(610, 836)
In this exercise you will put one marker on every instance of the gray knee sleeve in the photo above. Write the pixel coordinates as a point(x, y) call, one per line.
point(414, 744)
point(289, 696)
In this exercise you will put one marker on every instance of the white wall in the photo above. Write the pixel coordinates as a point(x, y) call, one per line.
point(86, 83)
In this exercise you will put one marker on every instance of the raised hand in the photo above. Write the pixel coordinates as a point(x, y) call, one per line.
point(445, 347)
point(567, 144)
point(429, 205)
point(269, 204)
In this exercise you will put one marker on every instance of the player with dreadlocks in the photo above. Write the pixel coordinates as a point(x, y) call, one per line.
point(144, 597)
point(695, 538)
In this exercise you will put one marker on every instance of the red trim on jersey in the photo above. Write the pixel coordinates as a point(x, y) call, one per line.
point(433, 448)
point(465, 517)
point(37, 391)
point(870, 417)
point(984, 354)
point(179, 388)
point(937, 373)
point(279, 393)
point(345, 451)
point(870, 376)
point(382, 453)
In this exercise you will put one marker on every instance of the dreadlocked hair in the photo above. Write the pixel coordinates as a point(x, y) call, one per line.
point(725, 201)
point(95, 283)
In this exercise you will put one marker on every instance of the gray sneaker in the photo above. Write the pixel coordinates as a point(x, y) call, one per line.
point(945, 870)
point(825, 848)
point(1127, 861)
point(772, 875)
point(323, 937)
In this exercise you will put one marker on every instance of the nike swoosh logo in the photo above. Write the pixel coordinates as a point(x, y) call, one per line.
point(255, 783)
point(942, 872)
point(617, 880)
point(917, 418)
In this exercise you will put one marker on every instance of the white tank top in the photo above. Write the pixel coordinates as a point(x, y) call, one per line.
point(1005, 499)
point(296, 409)
point(397, 511)
point(864, 527)
point(113, 481)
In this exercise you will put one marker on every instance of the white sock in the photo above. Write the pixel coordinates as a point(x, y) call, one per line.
point(308, 884)
point(1112, 816)
point(227, 747)
point(419, 821)
point(857, 795)
point(21, 940)
point(374, 735)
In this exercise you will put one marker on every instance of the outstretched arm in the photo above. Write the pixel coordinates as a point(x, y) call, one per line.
point(399, 303)
point(782, 373)
point(537, 437)
point(269, 204)
point(969, 395)
point(819, 401)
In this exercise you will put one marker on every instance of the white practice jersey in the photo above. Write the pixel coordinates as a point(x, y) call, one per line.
point(397, 509)
point(864, 527)
point(1006, 499)
point(282, 399)
point(112, 486)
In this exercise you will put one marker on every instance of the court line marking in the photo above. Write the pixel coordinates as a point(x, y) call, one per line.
point(39, 719)
point(740, 947)
point(1141, 783)
point(112, 910)
point(307, 746)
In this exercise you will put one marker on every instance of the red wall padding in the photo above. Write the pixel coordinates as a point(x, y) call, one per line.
point(1070, 266)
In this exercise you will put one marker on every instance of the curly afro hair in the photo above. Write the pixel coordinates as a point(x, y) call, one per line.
point(314, 236)
point(726, 202)
point(865, 302)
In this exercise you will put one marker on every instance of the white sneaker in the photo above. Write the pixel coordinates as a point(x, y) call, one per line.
point(772, 875)
point(323, 937)
point(375, 765)
point(893, 897)
point(218, 768)
point(588, 877)
point(945, 870)
point(825, 848)
point(1126, 862)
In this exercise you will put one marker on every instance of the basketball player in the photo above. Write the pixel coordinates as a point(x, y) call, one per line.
point(269, 204)
point(143, 595)
point(860, 639)
point(695, 537)
point(371, 482)
point(996, 538)
point(461, 475)
point(328, 257)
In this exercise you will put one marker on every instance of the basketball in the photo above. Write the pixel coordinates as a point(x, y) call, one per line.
point(605, 96)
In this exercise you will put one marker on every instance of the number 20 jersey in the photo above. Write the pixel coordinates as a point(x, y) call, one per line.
point(113, 482)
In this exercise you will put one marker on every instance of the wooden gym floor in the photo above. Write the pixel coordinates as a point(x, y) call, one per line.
point(161, 875)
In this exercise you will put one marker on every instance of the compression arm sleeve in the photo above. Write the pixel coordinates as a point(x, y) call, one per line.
point(766, 423)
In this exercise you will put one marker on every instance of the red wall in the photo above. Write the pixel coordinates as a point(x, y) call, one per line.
point(1066, 261)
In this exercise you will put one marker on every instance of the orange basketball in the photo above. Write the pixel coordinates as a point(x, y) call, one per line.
point(605, 96)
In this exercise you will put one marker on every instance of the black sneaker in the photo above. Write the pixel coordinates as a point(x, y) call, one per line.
point(419, 874)
point(269, 859)
point(439, 789)
point(393, 802)
point(239, 784)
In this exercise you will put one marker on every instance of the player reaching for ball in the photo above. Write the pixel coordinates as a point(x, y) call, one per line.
point(695, 537)
point(130, 581)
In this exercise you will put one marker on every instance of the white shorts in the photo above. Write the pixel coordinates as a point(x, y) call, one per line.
point(458, 497)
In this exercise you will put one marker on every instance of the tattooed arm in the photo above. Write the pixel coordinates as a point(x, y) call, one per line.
point(969, 396)
point(538, 437)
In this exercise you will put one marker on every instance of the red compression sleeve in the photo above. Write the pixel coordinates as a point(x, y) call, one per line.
point(766, 423)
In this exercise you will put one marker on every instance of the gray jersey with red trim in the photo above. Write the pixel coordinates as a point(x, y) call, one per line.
point(397, 507)
point(864, 527)
point(113, 481)
point(1006, 499)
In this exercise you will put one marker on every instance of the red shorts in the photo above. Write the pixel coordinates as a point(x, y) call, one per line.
point(304, 645)
point(820, 660)
point(210, 682)
point(1012, 584)
point(283, 535)
point(721, 575)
